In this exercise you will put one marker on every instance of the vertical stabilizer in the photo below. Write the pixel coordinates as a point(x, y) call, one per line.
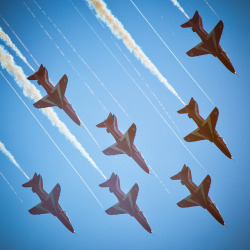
point(196, 20)
point(113, 181)
point(191, 107)
point(37, 75)
point(31, 182)
point(185, 173)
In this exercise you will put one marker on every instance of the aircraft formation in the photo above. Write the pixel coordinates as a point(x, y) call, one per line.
point(125, 142)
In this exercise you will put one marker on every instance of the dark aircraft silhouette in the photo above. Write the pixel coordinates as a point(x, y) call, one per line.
point(49, 202)
point(124, 143)
point(55, 95)
point(199, 195)
point(127, 202)
point(210, 42)
point(206, 128)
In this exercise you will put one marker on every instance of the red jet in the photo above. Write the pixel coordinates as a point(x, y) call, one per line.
point(206, 128)
point(127, 202)
point(124, 143)
point(55, 95)
point(210, 42)
point(49, 202)
point(199, 195)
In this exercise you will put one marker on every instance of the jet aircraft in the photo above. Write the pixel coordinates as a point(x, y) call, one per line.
point(206, 128)
point(124, 143)
point(55, 95)
point(127, 202)
point(199, 195)
point(210, 42)
point(49, 202)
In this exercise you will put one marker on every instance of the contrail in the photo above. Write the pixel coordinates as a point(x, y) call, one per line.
point(7, 40)
point(50, 80)
point(90, 134)
point(20, 98)
point(157, 177)
point(211, 8)
point(67, 59)
point(116, 59)
point(172, 53)
point(180, 8)
point(30, 91)
point(20, 41)
point(118, 30)
point(11, 187)
point(81, 58)
point(12, 159)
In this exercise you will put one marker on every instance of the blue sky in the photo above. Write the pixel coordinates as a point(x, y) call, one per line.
point(173, 227)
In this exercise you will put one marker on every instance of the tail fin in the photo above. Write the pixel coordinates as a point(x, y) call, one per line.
point(195, 20)
point(31, 182)
point(190, 107)
point(185, 172)
point(37, 74)
point(113, 180)
point(112, 120)
point(36, 180)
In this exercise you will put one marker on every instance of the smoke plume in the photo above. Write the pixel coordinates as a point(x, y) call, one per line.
point(118, 30)
point(30, 91)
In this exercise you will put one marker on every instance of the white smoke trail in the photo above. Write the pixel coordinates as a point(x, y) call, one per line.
point(12, 159)
point(180, 8)
point(11, 187)
point(30, 91)
point(159, 179)
point(81, 58)
point(20, 41)
point(112, 54)
point(211, 8)
point(90, 134)
point(7, 40)
point(172, 53)
point(46, 132)
point(50, 80)
point(118, 30)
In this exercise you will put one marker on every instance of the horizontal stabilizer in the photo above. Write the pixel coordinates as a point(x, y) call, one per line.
point(107, 183)
point(109, 120)
point(185, 173)
point(195, 20)
point(37, 74)
point(31, 182)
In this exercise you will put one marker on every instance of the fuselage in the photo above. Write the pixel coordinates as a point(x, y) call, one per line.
point(211, 135)
point(125, 145)
point(212, 47)
point(52, 207)
point(206, 203)
point(132, 210)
